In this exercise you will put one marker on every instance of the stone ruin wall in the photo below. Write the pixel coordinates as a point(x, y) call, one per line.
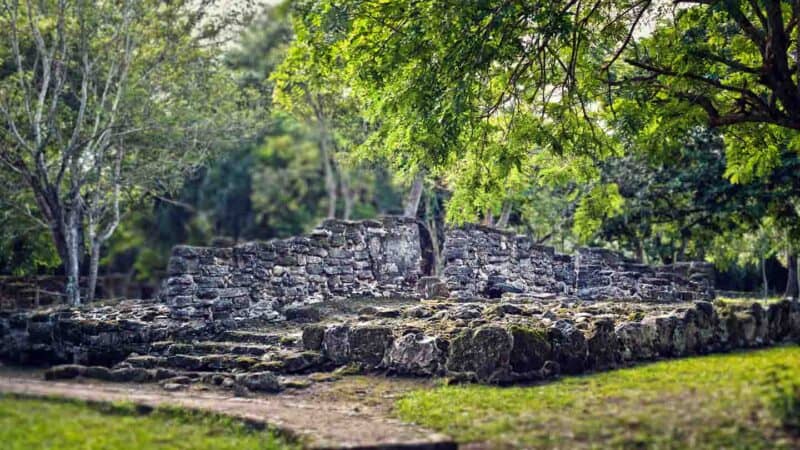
point(384, 258)
point(486, 262)
point(339, 259)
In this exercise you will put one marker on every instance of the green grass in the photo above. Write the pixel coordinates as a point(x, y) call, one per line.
point(711, 402)
point(28, 424)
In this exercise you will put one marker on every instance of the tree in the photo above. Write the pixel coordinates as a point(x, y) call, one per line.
point(734, 60)
point(446, 82)
point(104, 103)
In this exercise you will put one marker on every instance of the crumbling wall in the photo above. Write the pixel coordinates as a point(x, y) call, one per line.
point(383, 258)
point(604, 274)
point(339, 259)
point(486, 262)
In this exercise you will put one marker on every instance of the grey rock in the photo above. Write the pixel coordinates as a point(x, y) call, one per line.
point(64, 372)
point(484, 352)
point(369, 344)
point(603, 345)
point(335, 344)
point(313, 336)
point(636, 340)
point(259, 381)
point(416, 354)
point(530, 350)
point(569, 347)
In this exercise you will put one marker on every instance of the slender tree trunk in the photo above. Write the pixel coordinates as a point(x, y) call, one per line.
point(330, 179)
point(414, 195)
point(94, 264)
point(764, 276)
point(72, 262)
point(437, 253)
point(791, 281)
point(348, 195)
point(505, 215)
point(488, 219)
point(639, 251)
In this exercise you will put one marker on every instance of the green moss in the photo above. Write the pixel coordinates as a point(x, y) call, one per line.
point(27, 423)
point(710, 402)
point(746, 300)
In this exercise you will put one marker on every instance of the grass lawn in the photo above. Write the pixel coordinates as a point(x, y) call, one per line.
point(28, 424)
point(711, 402)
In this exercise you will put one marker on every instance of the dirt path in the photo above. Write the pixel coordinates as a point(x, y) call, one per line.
point(350, 413)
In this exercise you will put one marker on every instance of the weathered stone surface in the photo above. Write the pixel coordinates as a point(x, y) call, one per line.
point(336, 345)
point(417, 354)
point(490, 263)
point(369, 344)
point(432, 287)
point(602, 345)
point(302, 314)
point(302, 362)
point(259, 381)
point(341, 259)
point(64, 372)
point(636, 341)
point(313, 336)
point(483, 353)
point(569, 346)
point(530, 350)
point(383, 258)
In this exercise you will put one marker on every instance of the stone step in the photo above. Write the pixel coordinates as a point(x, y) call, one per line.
point(286, 362)
point(215, 347)
point(176, 379)
point(213, 362)
point(286, 339)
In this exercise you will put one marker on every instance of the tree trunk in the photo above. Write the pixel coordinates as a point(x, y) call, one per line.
point(764, 276)
point(437, 253)
point(72, 262)
point(347, 193)
point(505, 215)
point(488, 219)
point(791, 281)
point(639, 251)
point(330, 178)
point(94, 264)
point(414, 195)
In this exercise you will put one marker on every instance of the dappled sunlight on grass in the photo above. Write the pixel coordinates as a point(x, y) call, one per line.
point(718, 401)
point(27, 424)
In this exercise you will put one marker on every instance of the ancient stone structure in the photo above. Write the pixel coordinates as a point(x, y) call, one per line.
point(258, 315)
point(491, 341)
point(339, 259)
point(485, 262)
point(383, 258)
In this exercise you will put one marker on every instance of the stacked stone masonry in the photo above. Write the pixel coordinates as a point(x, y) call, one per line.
point(481, 262)
point(487, 342)
point(339, 259)
point(383, 258)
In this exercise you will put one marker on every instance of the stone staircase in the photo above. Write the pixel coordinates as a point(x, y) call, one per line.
point(229, 357)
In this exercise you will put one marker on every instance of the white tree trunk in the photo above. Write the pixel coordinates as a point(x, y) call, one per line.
point(505, 215)
point(72, 263)
point(330, 180)
point(94, 264)
point(414, 195)
point(348, 194)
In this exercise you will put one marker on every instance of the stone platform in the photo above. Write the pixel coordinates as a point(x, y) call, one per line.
point(514, 339)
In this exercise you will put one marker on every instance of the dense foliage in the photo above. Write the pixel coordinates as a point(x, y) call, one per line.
point(666, 130)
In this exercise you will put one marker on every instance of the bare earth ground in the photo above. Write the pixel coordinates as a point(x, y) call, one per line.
point(352, 412)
